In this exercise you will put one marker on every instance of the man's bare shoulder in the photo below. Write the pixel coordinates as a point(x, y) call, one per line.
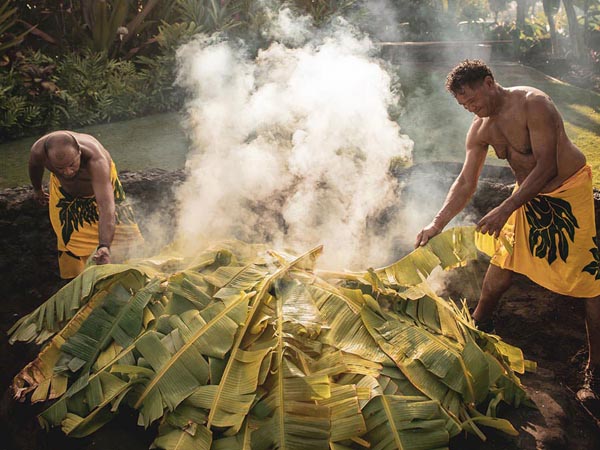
point(537, 104)
point(37, 152)
point(528, 94)
point(92, 149)
point(38, 146)
point(478, 134)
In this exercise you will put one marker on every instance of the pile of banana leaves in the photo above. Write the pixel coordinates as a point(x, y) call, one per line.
point(244, 347)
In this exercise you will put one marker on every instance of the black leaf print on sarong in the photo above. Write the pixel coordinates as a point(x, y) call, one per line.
point(74, 211)
point(551, 223)
point(593, 268)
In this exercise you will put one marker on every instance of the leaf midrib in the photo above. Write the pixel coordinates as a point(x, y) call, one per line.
point(108, 336)
point(390, 416)
point(160, 374)
point(257, 301)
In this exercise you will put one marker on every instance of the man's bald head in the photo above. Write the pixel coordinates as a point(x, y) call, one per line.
point(61, 147)
point(63, 153)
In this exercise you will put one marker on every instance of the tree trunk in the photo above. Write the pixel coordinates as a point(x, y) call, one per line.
point(550, 10)
point(575, 36)
point(520, 25)
point(586, 21)
point(521, 7)
point(496, 6)
point(139, 18)
point(452, 7)
point(87, 12)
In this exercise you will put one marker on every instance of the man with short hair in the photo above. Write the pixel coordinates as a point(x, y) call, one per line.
point(548, 220)
point(86, 200)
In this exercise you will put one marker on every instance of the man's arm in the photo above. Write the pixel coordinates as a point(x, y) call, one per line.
point(463, 187)
point(542, 122)
point(37, 160)
point(103, 191)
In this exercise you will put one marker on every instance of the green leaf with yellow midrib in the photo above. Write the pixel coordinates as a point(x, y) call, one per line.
point(189, 344)
point(262, 293)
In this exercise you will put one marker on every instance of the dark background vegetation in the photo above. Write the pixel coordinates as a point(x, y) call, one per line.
point(67, 64)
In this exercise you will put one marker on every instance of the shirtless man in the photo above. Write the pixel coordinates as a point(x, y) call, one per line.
point(81, 169)
point(524, 127)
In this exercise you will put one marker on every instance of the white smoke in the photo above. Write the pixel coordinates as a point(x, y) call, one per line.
point(292, 147)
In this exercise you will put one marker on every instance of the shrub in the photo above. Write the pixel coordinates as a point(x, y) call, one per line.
point(99, 89)
point(40, 93)
point(31, 99)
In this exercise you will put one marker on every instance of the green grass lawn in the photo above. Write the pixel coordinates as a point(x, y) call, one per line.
point(438, 125)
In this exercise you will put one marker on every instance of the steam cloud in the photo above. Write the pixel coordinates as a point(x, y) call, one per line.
point(292, 147)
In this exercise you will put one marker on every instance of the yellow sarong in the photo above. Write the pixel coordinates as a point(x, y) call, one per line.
point(75, 222)
point(552, 239)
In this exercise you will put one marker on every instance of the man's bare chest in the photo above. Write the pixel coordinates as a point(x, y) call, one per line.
point(78, 186)
point(509, 141)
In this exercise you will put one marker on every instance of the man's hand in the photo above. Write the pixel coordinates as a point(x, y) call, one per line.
point(41, 197)
point(493, 221)
point(427, 233)
point(102, 256)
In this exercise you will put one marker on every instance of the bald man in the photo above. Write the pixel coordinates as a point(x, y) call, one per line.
point(86, 200)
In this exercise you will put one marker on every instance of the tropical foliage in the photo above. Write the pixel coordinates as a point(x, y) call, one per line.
point(77, 90)
point(246, 347)
point(8, 18)
point(47, 82)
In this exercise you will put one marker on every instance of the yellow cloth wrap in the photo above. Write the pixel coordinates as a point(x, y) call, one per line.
point(75, 222)
point(552, 239)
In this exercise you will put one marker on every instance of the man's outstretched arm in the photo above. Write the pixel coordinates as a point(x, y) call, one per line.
point(105, 199)
point(463, 187)
point(37, 160)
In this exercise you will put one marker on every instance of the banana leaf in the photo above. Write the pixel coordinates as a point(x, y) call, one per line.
point(44, 375)
point(244, 347)
point(406, 423)
point(52, 315)
point(195, 335)
point(190, 438)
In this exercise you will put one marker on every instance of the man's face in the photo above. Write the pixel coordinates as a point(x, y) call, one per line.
point(475, 99)
point(66, 162)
